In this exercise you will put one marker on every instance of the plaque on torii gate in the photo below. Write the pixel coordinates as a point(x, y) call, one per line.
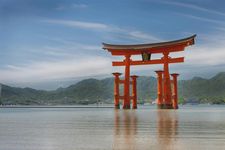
point(167, 96)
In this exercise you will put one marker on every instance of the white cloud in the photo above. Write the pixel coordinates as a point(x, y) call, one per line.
point(79, 24)
point(68, 60)
point(71, 6)
point(79, 5)
point(193, 6)
point(143, 36)
point(204, 19)
point(95, 26)
point(53, 70)
point(205, 56)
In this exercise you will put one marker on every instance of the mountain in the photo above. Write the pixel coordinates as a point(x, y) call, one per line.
point(90, 91)
point(204, 90)
point(23, 96)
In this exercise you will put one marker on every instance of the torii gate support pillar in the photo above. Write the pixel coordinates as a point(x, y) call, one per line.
point(175, 93)
point(159, 101)
point(116, 90)
point(134, 91)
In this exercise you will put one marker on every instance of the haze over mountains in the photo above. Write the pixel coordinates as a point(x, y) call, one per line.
point(91, 90)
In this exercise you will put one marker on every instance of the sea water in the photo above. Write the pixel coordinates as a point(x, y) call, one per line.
point(188, 128)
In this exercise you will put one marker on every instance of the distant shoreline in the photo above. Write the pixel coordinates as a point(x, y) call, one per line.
point(90, 106)
point(56, 106)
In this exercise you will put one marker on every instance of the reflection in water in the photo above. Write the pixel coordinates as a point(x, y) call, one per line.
point(167, 128)
point(195, 128)
point(130, 129)
point(125, 129)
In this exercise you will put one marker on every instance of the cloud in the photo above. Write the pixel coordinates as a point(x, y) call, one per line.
point(140, 35)
point(62, 60)
point(55, 70)
point(192, 6)
point(67, 49)
point(71, 6)
point(205, 56)
point(203, 19)
point(78, 24)
point(79, 5)
point(101, 27)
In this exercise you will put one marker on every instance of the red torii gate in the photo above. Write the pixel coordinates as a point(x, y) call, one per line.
point(167, 99)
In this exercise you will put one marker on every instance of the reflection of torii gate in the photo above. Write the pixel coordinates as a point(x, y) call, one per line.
point(166, 97)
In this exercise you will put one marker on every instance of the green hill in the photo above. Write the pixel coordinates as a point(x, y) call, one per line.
point(90, 91)
point(204, 90)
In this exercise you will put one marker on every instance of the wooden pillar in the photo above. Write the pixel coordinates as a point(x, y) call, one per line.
point(134, 91)
point(126, 102)
point(116, 90)
point(159, 89)
point(167, 83)
point(175, 95)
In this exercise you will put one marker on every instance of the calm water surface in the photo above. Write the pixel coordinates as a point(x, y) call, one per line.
point(190, 127)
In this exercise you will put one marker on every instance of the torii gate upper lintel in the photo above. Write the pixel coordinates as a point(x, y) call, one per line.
point(167, 98)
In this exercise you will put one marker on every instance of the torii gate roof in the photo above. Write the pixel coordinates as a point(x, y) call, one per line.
point(170, 46)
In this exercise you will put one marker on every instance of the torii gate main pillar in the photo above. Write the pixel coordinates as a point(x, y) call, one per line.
point(166, 82)
point(126, 102)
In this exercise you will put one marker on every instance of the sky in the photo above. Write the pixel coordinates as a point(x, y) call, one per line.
point(47, 44)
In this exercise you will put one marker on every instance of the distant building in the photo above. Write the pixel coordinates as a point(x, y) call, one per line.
point(0, 90)
point(192, 101)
